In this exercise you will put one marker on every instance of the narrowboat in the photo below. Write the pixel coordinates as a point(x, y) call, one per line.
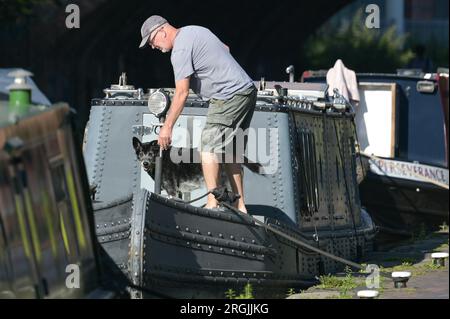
point(48, 244)
point(402, 127)
point(304, 191)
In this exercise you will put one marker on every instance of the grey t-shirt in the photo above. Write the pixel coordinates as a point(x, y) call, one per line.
point(214, 73)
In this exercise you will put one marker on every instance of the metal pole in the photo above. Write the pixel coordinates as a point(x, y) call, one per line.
point(158, 166)
point(290, 71)
point(158, 172)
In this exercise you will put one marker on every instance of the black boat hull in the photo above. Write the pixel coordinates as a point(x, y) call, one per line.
point(404, 207)
point(190, 252)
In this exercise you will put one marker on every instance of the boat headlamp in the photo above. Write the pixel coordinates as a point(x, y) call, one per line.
point(158, 103)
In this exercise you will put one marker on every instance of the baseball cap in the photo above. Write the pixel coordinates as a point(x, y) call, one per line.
point(150, 25)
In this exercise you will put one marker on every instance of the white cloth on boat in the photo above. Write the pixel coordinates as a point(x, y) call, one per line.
point(341, 78)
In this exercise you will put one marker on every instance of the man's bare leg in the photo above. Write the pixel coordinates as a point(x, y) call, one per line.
point(234, 172)
point(210, 166)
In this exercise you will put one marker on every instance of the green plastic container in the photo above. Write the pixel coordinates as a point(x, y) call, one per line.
point(19, 92)
point(19, 101)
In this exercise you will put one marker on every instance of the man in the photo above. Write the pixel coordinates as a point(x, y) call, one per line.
point(202, 62)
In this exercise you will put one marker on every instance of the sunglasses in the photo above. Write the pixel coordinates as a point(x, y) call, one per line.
point(150, 42)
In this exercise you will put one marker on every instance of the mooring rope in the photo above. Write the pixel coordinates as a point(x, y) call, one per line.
point(301, 243)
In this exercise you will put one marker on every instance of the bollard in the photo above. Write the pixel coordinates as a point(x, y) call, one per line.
point(367, 294)
point(400, 278)
point(439, 259)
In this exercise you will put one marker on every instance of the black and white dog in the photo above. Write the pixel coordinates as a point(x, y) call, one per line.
point(184, 176)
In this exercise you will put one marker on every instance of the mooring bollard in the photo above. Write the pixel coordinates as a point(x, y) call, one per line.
point(439, 258)
point(367, 294)
point(400, 278)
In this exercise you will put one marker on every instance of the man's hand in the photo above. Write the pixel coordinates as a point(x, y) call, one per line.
point(179, 98)
point(165, 137)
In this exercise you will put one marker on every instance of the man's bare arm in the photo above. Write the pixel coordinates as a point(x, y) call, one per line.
point(179, 98)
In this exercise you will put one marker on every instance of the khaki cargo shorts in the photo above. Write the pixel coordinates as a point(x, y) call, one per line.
point(226, 121)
